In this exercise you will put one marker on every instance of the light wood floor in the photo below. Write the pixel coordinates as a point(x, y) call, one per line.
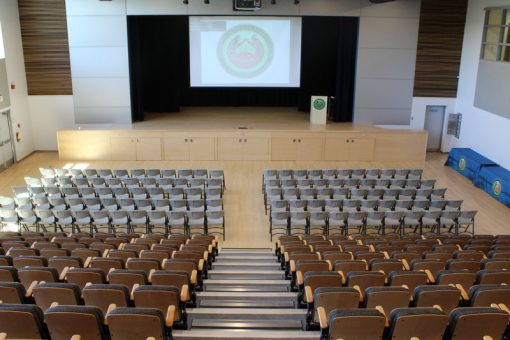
point(232, 118)
point(246, 224)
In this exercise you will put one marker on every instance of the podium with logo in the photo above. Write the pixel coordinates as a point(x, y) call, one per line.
point(319, 110)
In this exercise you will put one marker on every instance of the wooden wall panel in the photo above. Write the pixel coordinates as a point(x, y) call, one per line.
point(45, 46)
point(439, 47)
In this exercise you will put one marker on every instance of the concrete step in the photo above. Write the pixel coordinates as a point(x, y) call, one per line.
point(243, 324)
point(246, 314)
point(246, 286)
point(236, 334)
point(246, 251)
point(247, 300)
point(246, 258)
point(247, 274)
point(256, 265)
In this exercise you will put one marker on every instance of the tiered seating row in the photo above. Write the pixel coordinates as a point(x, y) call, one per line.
point(342, 277)
point(112, 278)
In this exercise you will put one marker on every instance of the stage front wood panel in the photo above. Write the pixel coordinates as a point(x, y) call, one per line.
point(45, 46)
point(144, 145)
point(440, 40)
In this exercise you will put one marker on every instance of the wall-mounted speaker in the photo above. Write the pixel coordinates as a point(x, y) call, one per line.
point(247, 5)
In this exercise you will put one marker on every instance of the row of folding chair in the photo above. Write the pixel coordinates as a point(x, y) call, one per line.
point(129, 182)
point(351, 205)
point(273, 194)
point(351, 183)
point(133, 173)
point(96, 203)
point(118, 192)
point(194, 221)
point(360, 222)
point(342, 173)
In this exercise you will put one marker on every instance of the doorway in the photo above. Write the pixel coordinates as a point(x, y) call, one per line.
point(434, 123)
point(7, 156)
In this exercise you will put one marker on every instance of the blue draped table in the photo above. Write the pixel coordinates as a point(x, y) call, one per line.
point(468, 162)
point(495, 180)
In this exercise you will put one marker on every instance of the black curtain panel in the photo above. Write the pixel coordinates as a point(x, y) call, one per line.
point(159, 68)
point(328, 63)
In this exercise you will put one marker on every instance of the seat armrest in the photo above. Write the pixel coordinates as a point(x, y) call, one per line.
point(170, 316)
point(323, 318)
point(309, 294)
point(185, 293)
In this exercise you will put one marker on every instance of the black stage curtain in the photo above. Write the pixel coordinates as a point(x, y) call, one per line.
point(159, 68)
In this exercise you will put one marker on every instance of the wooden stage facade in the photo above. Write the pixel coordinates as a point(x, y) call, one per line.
point(233, 134)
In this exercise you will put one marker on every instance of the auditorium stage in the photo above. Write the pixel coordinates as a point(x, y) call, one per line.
point(229, 118)
point(250, 134)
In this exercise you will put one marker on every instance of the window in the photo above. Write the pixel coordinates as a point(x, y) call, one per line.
point(496, 35)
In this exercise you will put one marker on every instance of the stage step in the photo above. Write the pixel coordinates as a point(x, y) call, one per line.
point(255, 265)
point(246, 286)
point(246, 274)
point(243, 324)
point(217, 334)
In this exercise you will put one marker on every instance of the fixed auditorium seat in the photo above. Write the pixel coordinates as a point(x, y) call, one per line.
point(386, 299)
point(329, 299)
point(446, 297)
point(64, 322)
point(12, 292)
point(417, 323)
point(367, 324)
point(22, 322)
point(103, 295)
point(139, 323)
point(61, 293)
point(477, 323)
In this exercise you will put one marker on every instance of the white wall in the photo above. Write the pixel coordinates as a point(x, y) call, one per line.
point(49, 114)
point(388, 40)
point(98, 49)
point(9, 17)
point(482, 131)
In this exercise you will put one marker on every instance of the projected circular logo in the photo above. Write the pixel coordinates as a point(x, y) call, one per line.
point(497, 187)
point(462, 164)
point(245, 51)
point(319, 104)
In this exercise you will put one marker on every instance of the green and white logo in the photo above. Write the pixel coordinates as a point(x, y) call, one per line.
point(462, 164)
point(497, 187)
point(245, 51)
point(319, 104)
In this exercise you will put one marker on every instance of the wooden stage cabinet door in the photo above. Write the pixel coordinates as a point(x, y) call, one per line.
point(202, 148)
point(256, 149)
point(362, 149)
point(284, 148)
point(230, 148)
point(310, 148)
point(148, 149)
point(176, 148)
point(349, 149)
point(123, 148)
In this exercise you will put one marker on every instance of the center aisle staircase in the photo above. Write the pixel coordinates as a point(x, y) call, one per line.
point(246, 296)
